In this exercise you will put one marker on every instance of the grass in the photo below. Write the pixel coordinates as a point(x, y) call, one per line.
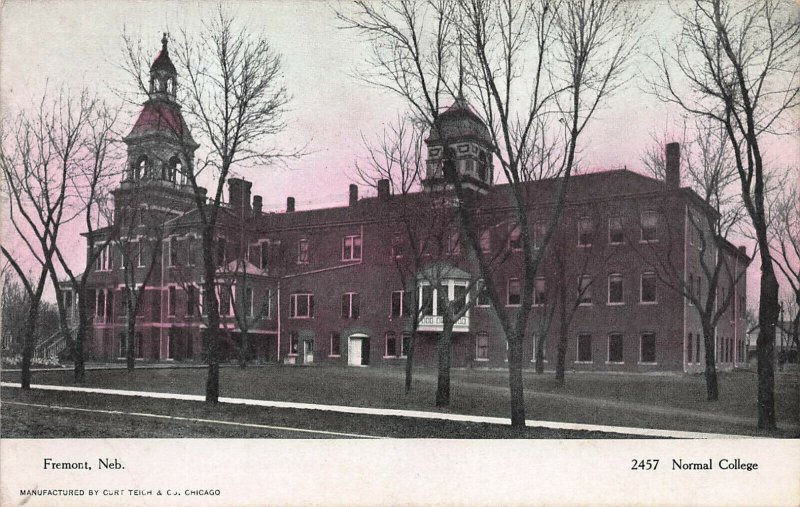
point(674, 402)
point(37, 422)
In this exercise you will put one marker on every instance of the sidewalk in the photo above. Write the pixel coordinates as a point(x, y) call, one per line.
point(391, 412)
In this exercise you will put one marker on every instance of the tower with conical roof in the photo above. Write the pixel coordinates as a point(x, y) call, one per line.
point(459, 137)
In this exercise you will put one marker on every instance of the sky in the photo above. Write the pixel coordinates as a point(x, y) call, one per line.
point(79, 43)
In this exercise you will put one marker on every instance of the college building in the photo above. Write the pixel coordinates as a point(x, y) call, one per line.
point(332, 285)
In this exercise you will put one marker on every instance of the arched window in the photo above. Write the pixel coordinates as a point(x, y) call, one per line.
point(140, 168)
point(175, 169)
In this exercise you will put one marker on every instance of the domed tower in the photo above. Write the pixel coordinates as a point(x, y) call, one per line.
point(160, 146)
point(460, 136)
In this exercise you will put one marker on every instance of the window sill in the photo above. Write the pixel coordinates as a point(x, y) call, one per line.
point(612, 243)
point(391, 357)
point(615, 304)
point(543, 361)
point(647, 364)
point(584, 362)
point(292, 355)
point(648, 302)
point(585, 304)
point(615, 362)
point(646, 241)
point(334, 355)
point(513, 305)
point(301, 318)
point(349, 260)
point(483, 306)
point(585, 246)
point(482, 359)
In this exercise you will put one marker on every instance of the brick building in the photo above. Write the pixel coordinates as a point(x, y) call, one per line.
point(332, 285)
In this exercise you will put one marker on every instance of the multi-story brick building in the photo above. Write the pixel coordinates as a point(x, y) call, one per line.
point(331, 285)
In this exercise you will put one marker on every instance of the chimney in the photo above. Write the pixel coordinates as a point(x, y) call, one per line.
point(290, 205)
point(353, 194)
point(383, 189)
point(672, 173)
point(257, 204)
point(239, 194)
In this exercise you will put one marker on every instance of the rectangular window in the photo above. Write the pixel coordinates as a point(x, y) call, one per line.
point(191, 300)
point(335, 345)
point(351, 303)
point(155, 305)
point(483, 296)
point(648, 288)
point(649, 221)
point(616, 236)
point(405, 344)
point(514, 296)
point(294, 340)
point(172, 301)
point(301, 306)
point(540, 292)
point(190, 255)
point(427, 300)
point(220, 251)
point(482, 347)
point(585, 231)
point(398, 246)
point(173, 252)
point(615, 290)
point(585, 290)
point(264, 256)
point(398, 303)
point(697, 348)
point(615, 348)
point(351, 248)
point(390, 346)
point(224, 300)
point(584, 348)
point(459, 298)
point(691, 358)
point(486, 241)
point(648, 348)
point(514, 241)
point(140, 254)
point(248, 301)
point(266, 305)
point(539, 230)
point(302, 251)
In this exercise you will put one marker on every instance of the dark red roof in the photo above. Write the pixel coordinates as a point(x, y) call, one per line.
point(158, 116)
point(163, 62)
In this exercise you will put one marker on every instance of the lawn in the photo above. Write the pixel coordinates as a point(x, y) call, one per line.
point(675, 402)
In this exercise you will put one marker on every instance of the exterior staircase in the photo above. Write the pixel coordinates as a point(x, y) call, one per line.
point(48, 349)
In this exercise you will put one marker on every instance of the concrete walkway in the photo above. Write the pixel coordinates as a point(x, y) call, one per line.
point(390, 412)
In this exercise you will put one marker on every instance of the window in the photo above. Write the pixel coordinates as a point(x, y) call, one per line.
point(302, 251)
point(224, 300)
point(585, 290)
point(173, 252)
point(427, 300)
point(335, 345)
point(266, 305)
point(482, 347)
point(584, 348)
point(351, 303)
point(697, 348)
point(460, 298)
point(398, 303)
point(585, 231)
point(616, 236)
point(155, 305)
point(398, 246)
point(140, 254)
point(483, 296)
point(191, 300)
point(405, 345)
point(514, 298)
point(615, 290)
point(615, 348)
point(540, 292)
point(649, 221)
point(220, 251)
point(514, 242)
point(453, 243)
point(648, 288)
point(293, 342)
point(105, 259)
point(172, 301)
point(486, 241)
point(691, 358)
point(351, 248)
point(264, 256)
point(390, 346)
point(190, 255)
point(539, 230)
point(248, 301)
point(648, 348)
point(301, 306)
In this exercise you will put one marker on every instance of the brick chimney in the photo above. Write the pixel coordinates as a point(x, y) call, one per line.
point(257, 204)
point(383, 189)
point(290, 205)
point(672, 172)
point(353, 194)
point(239, 194)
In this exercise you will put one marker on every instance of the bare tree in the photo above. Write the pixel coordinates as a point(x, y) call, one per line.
point(235, 100)
point(547, 56)
point(706, 155)
point(41, 149)
point(785, 244)
point(737, 64)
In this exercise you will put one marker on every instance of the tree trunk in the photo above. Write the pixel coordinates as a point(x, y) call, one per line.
point(540, 354)
point(410, 359)
point(211, 336)
point(563, 331)
point(130, 336)
point(515, 381)
point(712, 388)
point(243, 349)
point(83, 325)
point(443, 353)
point(765, 347)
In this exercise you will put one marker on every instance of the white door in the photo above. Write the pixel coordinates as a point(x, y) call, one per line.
point(308, 351)
point(354, 352)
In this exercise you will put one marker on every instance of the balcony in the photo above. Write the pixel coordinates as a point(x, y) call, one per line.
point(433, 323)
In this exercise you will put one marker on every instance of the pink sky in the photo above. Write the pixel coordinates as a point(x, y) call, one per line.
point(76, 43)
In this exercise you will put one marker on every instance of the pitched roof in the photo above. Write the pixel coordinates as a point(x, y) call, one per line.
point(159, 116)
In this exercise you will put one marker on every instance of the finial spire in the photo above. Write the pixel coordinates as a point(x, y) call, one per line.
point(164, 41)
point(460, 67)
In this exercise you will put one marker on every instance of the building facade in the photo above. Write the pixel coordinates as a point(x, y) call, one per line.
point(338, 285)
